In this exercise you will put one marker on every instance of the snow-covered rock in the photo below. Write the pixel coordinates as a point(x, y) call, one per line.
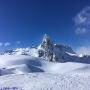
point(54, 52)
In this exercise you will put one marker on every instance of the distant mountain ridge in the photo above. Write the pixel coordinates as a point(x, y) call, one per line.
point(50, 51)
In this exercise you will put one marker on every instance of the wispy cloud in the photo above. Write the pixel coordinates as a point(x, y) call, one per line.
point(1, 44)
point(83, 50)
point(82, 21)
point(18, 42)
point(81, 30)
point(6, 44)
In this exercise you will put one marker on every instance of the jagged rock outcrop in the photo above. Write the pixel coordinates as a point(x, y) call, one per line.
point(51, 51)
point(46, 48)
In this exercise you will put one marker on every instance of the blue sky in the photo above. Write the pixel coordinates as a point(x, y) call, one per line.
point(24, 22)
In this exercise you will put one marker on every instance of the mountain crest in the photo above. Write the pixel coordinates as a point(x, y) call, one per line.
point(47, 50)
point(46, 40)
point(53, 52)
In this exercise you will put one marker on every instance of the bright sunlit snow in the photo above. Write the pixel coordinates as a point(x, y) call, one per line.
point(57, 67)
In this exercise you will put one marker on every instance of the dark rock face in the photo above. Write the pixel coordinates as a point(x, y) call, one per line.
point(46, 48)
point(52, 52)
point(41, 53)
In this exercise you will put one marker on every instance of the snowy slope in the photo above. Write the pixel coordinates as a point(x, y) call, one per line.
point(21, 64)
point(47, 81)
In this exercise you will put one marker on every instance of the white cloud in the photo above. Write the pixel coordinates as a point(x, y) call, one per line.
point(6, 44)
point(82, 21)
point(1, 44)
point(79, 19)
point(83, 50)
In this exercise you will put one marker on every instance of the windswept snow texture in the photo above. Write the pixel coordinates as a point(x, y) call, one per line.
point(47, 81)
point(26, 72)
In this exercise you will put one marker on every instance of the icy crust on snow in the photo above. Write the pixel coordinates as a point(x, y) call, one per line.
point(47, 81)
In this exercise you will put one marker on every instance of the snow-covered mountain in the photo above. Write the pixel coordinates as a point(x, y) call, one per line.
point(45, 55)
point(53, 52)
point(59, 67)
point(50, 51)
point(47, 50)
